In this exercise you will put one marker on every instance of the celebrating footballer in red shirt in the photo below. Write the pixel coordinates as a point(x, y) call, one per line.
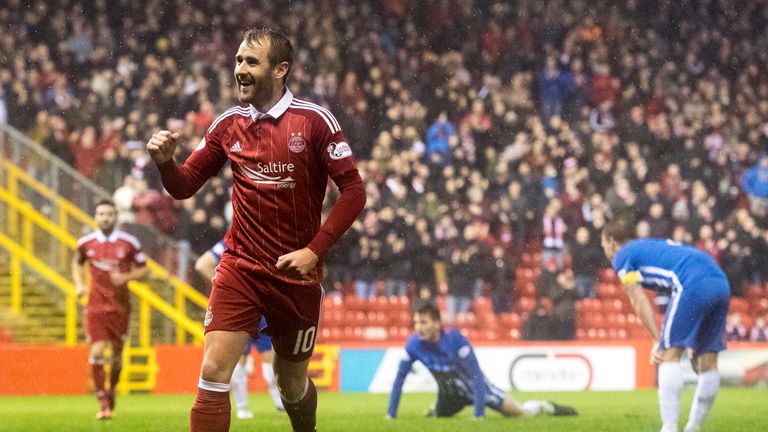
point(115, 257)
point(282, 151)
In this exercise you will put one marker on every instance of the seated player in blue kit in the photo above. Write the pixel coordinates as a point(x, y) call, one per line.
point(694, 319)
point(449, 357)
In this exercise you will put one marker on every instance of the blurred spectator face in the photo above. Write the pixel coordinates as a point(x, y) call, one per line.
point(582, 235)
point(705, 232)
point(643, 229)
point(656, 211)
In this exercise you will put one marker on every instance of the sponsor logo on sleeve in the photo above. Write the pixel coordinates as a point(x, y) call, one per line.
point(339, 150)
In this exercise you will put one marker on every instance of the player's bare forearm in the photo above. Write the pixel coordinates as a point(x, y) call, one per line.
point(77, 277)
point(643, 309)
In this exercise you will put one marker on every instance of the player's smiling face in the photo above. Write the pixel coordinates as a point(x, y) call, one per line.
point(427, 327)
point(253, 73)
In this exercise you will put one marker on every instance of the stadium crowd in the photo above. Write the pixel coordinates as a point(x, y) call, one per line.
point(483, 130)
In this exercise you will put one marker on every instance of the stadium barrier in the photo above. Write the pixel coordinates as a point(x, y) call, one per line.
point(533, 366)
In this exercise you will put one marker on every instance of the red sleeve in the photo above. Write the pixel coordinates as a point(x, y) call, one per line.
point(81, 257)
point(344, 212)
point(183, 181)
point(336, 156)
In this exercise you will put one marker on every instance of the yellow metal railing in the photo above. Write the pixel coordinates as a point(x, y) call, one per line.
point(67, 212)
point(147, 368)
point(22, 252)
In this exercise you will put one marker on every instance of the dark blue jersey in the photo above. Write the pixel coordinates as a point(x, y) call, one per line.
point(451, 362)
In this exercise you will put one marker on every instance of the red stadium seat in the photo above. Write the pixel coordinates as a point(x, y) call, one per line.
point(381, 303)
point(759, 307)
point(525, 304)
point(527, 260)
point(332, 302)
point(481, 305)
point(738, 305)
point(607, 275)
point(608, 291)
point(526, 290)
point(509, 320)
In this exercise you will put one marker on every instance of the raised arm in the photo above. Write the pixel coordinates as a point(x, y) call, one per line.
point(183, 181)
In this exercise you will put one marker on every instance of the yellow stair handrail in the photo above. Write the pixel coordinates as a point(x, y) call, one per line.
point(19, 254)
point(69, 209)
point(66, 211)
point(184, 324)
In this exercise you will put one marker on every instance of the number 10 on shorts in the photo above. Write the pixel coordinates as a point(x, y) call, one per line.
point(305, 340)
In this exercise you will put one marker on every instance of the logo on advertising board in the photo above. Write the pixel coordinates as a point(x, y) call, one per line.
point(544, 371)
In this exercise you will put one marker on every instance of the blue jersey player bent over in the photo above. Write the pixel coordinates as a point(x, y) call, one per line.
point(695, 317)
point(449, 357)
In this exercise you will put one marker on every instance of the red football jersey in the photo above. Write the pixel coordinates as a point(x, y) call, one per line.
point(118, 252)
point(281, 161)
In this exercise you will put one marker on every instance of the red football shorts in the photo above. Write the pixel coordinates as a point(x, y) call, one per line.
point(111, 326)
point(241, 293)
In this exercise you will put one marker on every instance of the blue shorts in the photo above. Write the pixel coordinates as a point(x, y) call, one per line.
point(263, 343)
point(695, 317)
point(450, 405)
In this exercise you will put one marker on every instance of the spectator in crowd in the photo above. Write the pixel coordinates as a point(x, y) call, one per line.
point(755, 184)
point(554, 229)
point(396, 265)
point(554, 85)
point(501, 274)
point(564, 298)
point(735, 330)
point(538, 326)
point(363, 269)
point(759, 332)
point(462, 268)
point(441, 137)
point(586, 260)
point(682, 114)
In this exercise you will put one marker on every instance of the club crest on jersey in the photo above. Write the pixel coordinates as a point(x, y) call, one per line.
point(297, 143)
point(121, 253)
point(339, 150)
point(236, 147)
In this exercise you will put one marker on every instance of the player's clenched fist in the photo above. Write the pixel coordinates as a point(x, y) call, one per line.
point(162, 145)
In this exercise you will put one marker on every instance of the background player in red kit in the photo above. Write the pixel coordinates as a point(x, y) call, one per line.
point(115, 257)
point(282, 151)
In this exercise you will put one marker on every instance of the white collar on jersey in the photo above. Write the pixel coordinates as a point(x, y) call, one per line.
point(276, 111)
point(102, 238)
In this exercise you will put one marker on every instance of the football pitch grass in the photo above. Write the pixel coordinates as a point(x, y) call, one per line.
point(735, 410)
